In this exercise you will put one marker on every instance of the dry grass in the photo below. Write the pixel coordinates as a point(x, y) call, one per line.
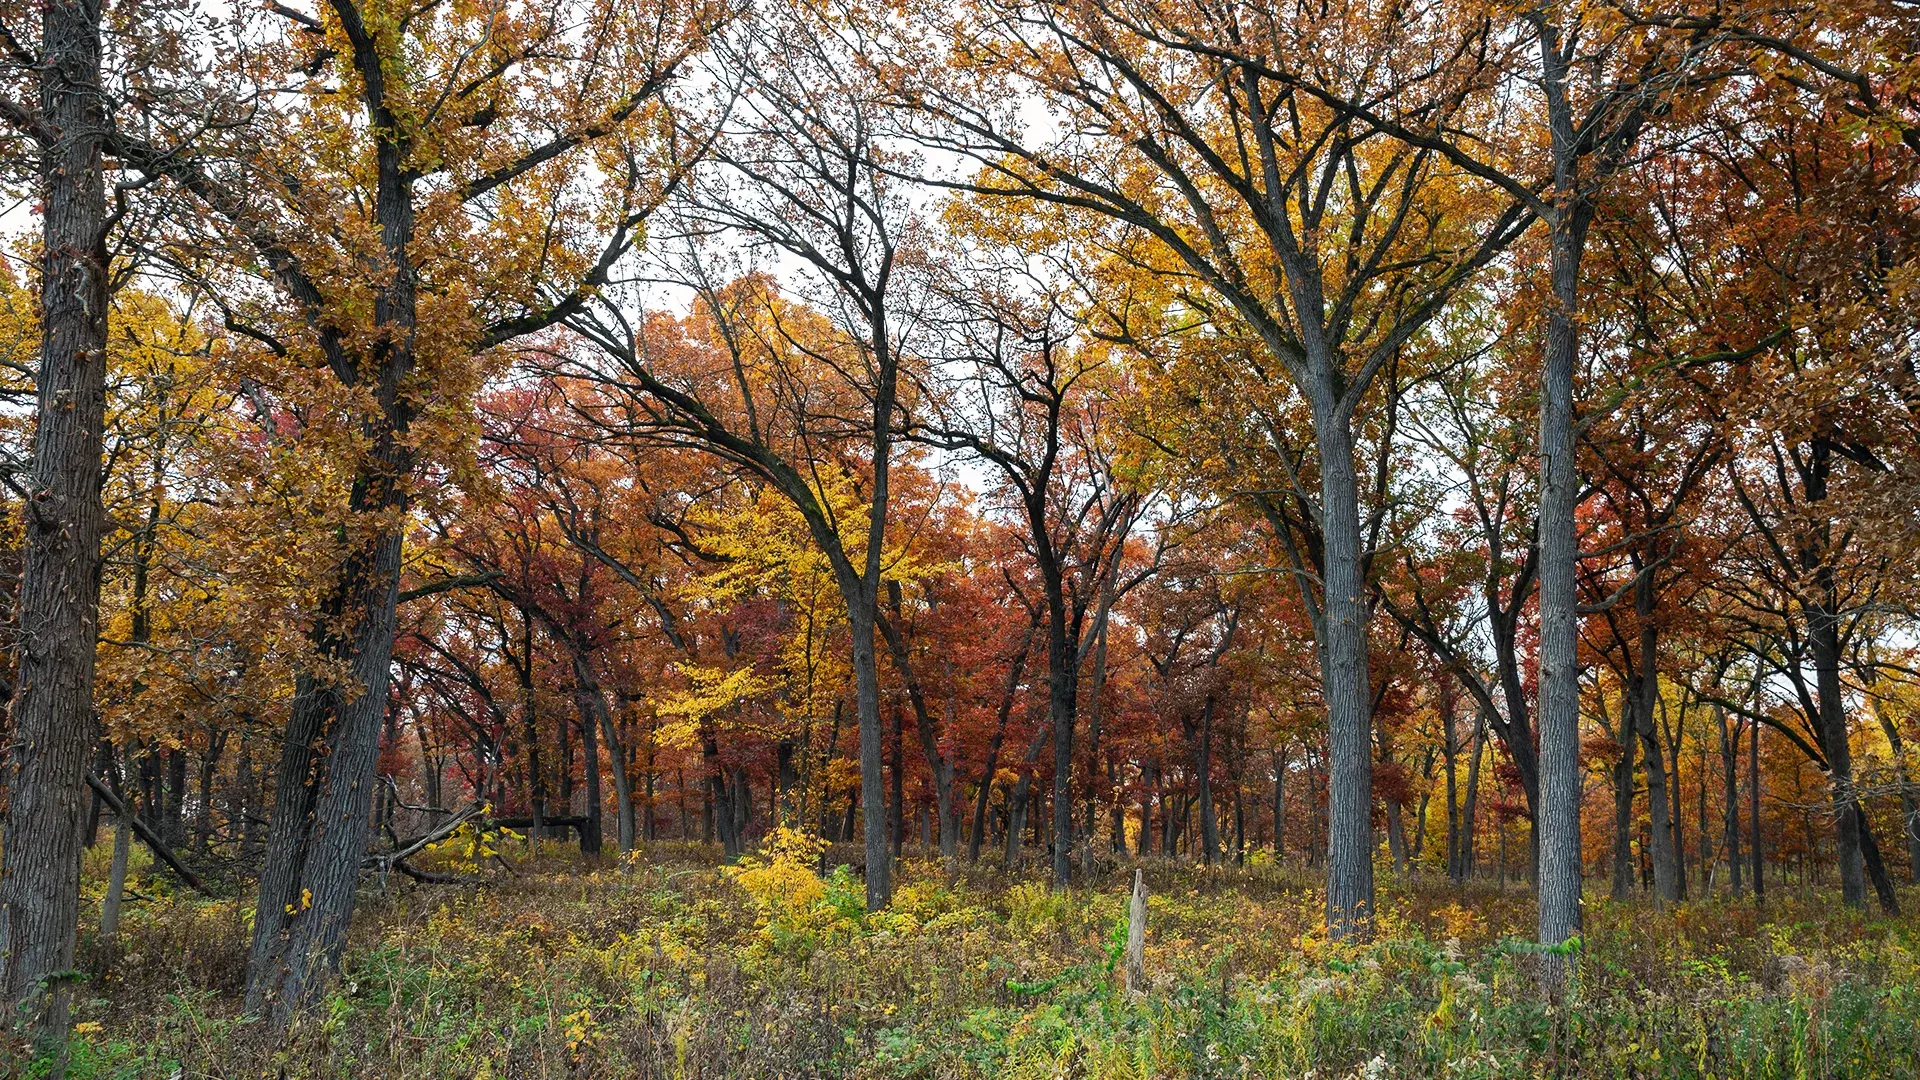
point(666, 965)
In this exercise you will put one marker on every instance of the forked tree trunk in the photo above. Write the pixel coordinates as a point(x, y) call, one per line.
point(324, 786)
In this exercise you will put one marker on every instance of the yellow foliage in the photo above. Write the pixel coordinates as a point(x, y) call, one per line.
point(709, 691)
point(782, 881)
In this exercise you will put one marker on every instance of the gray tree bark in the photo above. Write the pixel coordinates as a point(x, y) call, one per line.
point(1753, 810)
point(1644, 697)
point(1345, 684)
point(1623, 791)
point(1280, 805)
point(116, 876)
point(1557, 815)
point(1203, 776)
point(592, 703)
point(1730, 794)
point(52, 709)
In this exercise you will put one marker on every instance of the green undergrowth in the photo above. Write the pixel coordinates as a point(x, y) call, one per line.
point(666, 965)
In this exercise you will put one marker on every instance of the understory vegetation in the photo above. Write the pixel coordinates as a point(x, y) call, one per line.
point(668, 964)
point(1432, 489)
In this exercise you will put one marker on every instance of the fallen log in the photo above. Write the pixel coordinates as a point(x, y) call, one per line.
point(147, 836)
point(441, 832)
point(428, 877)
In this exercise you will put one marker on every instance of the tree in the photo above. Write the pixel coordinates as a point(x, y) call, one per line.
point(1024, 398)
point(1186, 130)
point(51, 710)
point(379, 318)
point(811, 403)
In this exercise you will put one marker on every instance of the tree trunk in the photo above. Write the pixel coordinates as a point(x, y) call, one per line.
point(203, 816)
point(1239, 825)
point(1875, 867)
point(1820, 604)
point(564, 731)
point(1095, 712)
point(1168, 812)
point(1909, 796)
point(1063, 664)
point(1623, 790)
point(1470, 812)
point(53, 725)
point(173, 818)
point(1450, 755)
point(1678, 815)
point(742, 807)
point(591, 701)
point(939, 767)
point(860, 619)
point(1753, 788)
point(1345, 684)
point(719, 797)
point(1396, 826)
point(1557, 814)
point(1022, 792)
point(1149, 788)
point(530, 726)
point(1730, 795)
point(1419, 844)
point(1280, 805)
point(1644, 690)
point(116, 877)
point(592, 834)
point(319, 833)
point(243, 805)
point(897, 807)
point(1008, 692)
point(1396, 837)
point(1203, 776)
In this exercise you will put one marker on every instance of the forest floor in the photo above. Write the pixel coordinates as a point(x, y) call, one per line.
point(666, 965)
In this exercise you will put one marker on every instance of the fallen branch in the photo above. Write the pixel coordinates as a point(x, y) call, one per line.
point(428, 877)
point(441, 832)
point(147, 836)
